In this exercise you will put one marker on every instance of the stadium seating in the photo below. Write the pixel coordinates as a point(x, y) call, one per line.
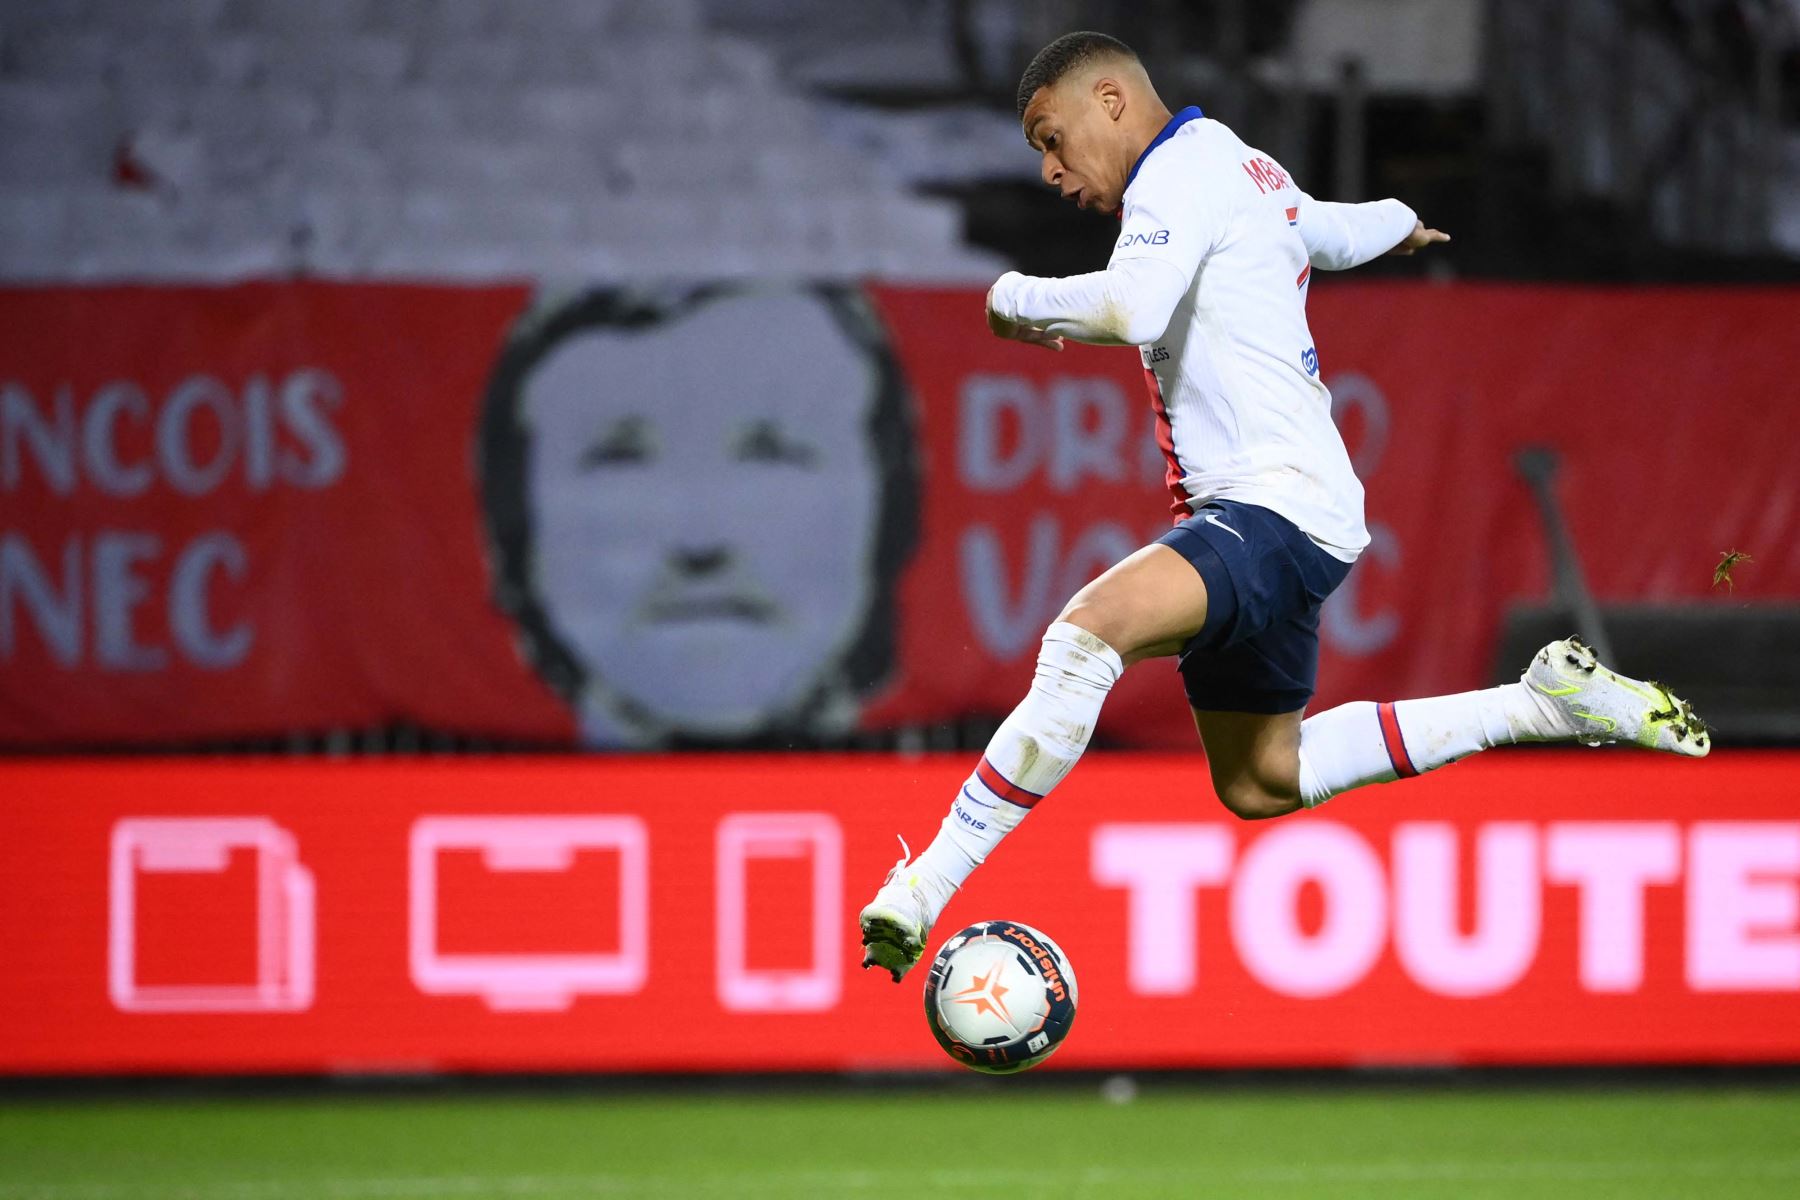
point(455, 139)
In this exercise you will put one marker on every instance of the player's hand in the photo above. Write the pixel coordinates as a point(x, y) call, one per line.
point(1000, 327)
point(1419, 238)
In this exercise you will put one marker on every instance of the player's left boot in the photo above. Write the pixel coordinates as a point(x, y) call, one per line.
point(1597, 706)
point(896, 922)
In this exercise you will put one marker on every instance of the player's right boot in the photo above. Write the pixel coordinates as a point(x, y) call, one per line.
point(1597, 706)
point(896, 922)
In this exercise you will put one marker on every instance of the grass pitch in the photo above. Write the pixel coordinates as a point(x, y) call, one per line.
point(1065, 1140)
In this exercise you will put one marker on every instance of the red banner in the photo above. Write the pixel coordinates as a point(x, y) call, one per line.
point(785, 514)
point(247, 510)
point(698, 913)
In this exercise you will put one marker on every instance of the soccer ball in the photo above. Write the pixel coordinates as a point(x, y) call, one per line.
point(1000, 997)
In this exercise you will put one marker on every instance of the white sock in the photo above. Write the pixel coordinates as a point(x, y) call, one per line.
point(1030, 753)
point(1362, 743)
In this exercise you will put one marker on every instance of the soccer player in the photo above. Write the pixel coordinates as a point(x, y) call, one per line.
point(1209, 279)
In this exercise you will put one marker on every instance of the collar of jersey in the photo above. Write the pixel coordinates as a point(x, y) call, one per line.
point(1190, 113)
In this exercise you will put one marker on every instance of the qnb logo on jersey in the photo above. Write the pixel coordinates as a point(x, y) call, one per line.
point(1309, 358)
point(1158, 237)
point(1267, 175)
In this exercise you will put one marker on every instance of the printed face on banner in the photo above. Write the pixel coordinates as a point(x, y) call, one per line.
point(704, 497)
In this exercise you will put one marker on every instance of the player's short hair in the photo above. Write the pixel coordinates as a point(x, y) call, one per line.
point(1066, 53)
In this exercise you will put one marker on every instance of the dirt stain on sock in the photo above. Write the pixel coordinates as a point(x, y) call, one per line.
point(1089, 642)
point(1029, 753)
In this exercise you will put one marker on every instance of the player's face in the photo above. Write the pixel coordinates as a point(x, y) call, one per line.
point(1070, 126)
point(705, 499)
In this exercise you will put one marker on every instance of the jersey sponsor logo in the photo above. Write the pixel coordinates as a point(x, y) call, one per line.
point(1266, 175)
point(1309, 358)
point(1158, 238)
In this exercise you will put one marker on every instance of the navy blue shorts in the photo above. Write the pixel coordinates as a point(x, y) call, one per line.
point(1259, 649)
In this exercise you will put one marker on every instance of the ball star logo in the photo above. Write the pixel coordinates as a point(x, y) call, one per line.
point(986, 994)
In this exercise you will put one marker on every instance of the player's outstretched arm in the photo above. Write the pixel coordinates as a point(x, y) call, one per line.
point(1341, 236)
point(1167, 228)
point(1128, 304)
point(1419, 238)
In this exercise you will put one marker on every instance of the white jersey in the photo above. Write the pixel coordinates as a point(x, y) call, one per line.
point(1218, 240)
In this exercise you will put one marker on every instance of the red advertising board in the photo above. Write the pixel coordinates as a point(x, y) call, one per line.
point(698, 913)
point(781, 514)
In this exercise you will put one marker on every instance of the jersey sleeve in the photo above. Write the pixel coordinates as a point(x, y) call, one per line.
point(1176, 213)
point(1341, 236)
point(1169, 225)
point(1128, 304)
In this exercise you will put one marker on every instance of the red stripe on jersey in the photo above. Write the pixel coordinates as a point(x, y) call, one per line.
point(1165, 441)
point(1396, 745)
point(1304, 273)
point(996, 783)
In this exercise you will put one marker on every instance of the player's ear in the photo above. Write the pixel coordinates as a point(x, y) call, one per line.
point(1111, 97)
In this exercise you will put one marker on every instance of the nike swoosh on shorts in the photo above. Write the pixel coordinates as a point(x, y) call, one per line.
point(1212, 519)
